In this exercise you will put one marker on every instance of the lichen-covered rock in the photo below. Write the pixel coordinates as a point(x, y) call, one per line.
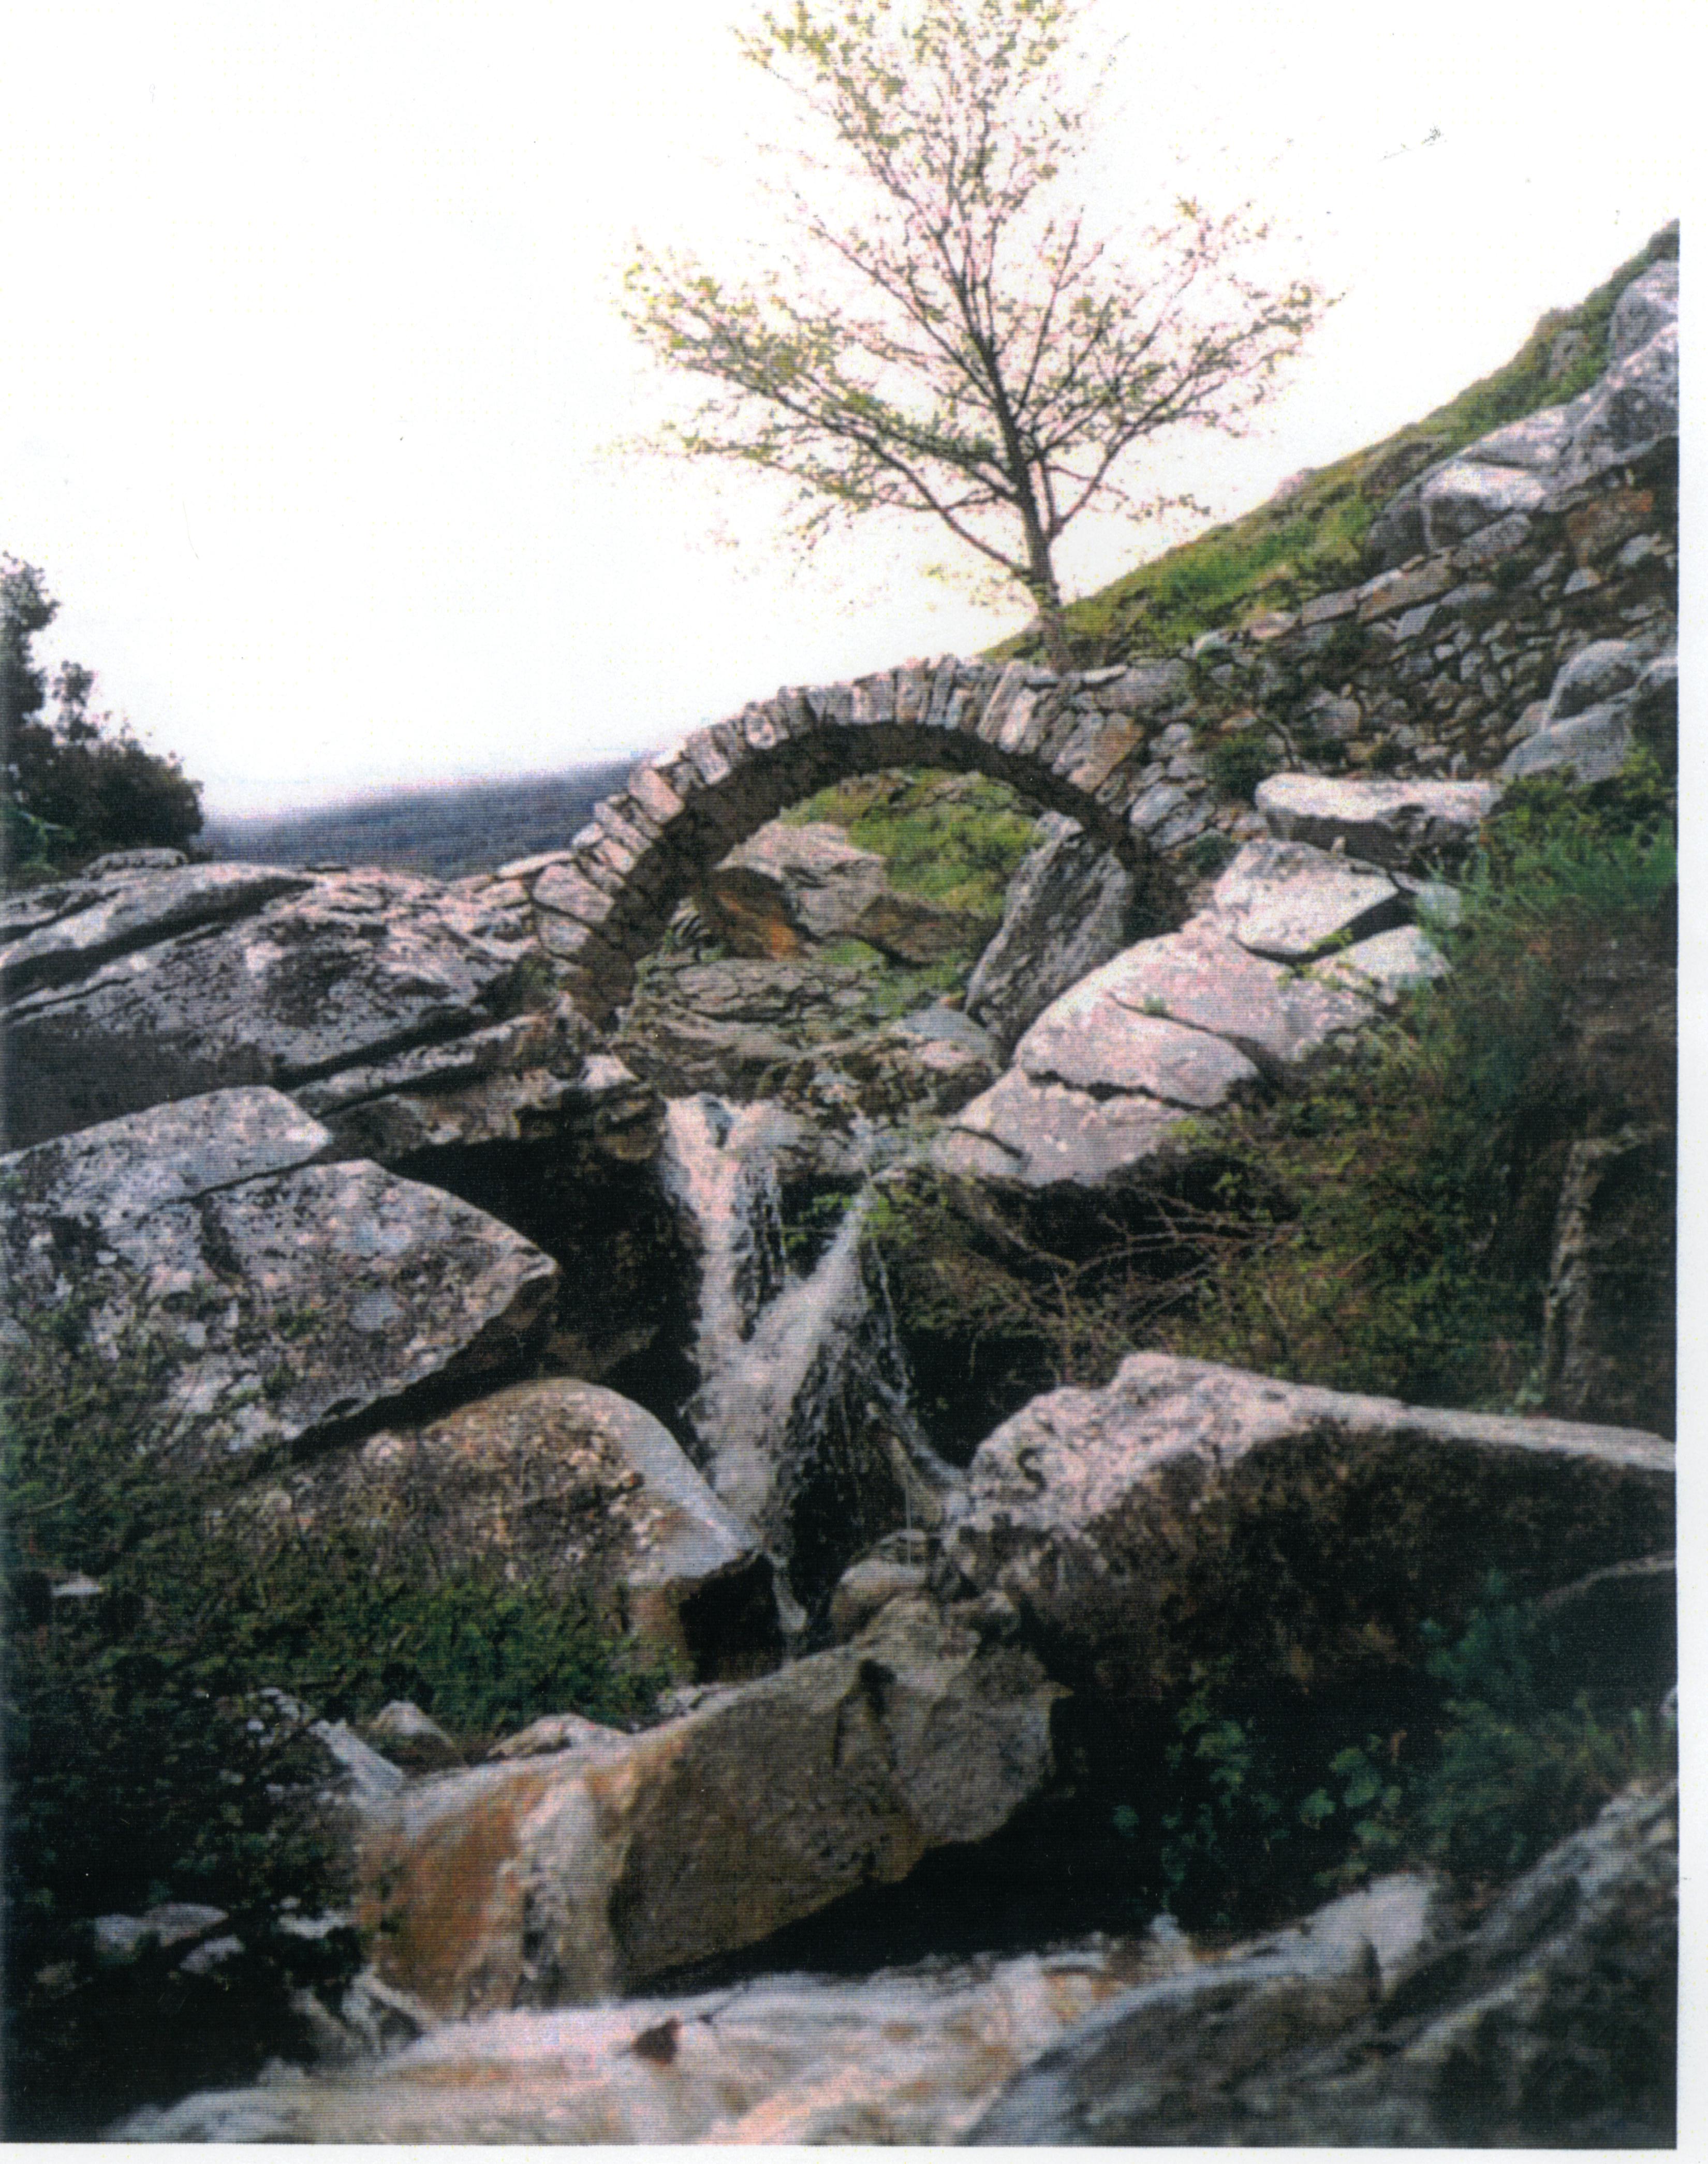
point(1290, 902)
point(1515, 468)
point(1404, 826)
point(291, 1296)
point(1611, 695)
point(1551, 2023)
point(1069, 909)
point(1189, 1511)
point(146, 987)
point(564, 1879)
point(568, 1485)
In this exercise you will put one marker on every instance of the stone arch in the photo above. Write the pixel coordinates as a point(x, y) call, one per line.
point(1075, 744)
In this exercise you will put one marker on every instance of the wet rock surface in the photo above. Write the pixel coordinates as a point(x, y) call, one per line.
point(1551, 2023)
point(564, 1879)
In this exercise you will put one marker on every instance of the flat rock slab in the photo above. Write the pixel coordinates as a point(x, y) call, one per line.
point(290, 1300)
point(1092, 1043)
point(1026, 1133)
point(1189, 1510)
point(573, 1487)
point(561, 1880)
point(1200, 978)
point(1401, 825)
point(169, 984)
point(1292, 902)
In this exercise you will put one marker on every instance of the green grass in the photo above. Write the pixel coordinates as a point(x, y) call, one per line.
point(1281, 555)
point(953, 839)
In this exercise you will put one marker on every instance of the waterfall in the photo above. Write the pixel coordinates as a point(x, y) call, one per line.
point(801, 1419)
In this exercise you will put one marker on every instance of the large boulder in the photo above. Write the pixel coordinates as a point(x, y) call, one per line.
point(1550, 2024)
point(1290, 902)
point(291, 1296)
point(569, 1486)
point(789, 888)
point(564, 1879)
point(1189, 1512)
point(127, 989)
point(1610, 696)
point(1106, 1079)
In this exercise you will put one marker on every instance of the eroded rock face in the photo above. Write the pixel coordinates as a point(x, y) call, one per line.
point(1190, 1511)
point(1516, 470)
point(1609, 1323)
point(569, 1485)
point(1069, 909)
point(563, 1879)
point(293, 1295)
point(127, 989)
point(1552, 2024)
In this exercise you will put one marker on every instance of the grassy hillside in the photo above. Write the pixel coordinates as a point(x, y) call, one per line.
point(1284, 552)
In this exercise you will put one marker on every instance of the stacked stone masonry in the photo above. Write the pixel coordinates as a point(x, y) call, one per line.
point(1438, 668)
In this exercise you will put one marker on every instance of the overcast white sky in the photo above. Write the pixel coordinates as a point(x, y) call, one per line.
point(313, 382)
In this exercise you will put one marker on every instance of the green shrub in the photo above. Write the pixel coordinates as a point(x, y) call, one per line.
point(1236, 764)
point(145, 1763)
point(1478, 1769)
point(954, 839)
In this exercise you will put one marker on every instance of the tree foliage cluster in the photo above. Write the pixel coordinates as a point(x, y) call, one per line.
point(956, 340)
point(74, 782)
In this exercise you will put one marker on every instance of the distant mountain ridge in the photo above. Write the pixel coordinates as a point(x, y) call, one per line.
point(444, 833)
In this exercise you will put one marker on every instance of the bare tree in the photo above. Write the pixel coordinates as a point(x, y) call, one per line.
point(953, 340)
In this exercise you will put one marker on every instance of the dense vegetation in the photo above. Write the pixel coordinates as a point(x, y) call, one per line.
point(1310, 541)
point(150, 1758)
point(73, 783)
point(1474, 1767)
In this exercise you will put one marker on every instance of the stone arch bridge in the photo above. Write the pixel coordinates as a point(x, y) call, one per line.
point(1081, 745)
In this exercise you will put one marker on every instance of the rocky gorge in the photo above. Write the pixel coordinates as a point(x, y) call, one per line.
point(968, 1749)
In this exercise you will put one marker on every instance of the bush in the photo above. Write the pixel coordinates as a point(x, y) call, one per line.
point(1477, 1770)
point(74, 785)
point(144, 1761)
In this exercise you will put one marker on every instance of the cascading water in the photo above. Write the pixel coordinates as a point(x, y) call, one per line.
point(801, 1418)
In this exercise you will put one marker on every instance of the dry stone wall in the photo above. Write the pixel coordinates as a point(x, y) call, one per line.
point(1438, 668)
